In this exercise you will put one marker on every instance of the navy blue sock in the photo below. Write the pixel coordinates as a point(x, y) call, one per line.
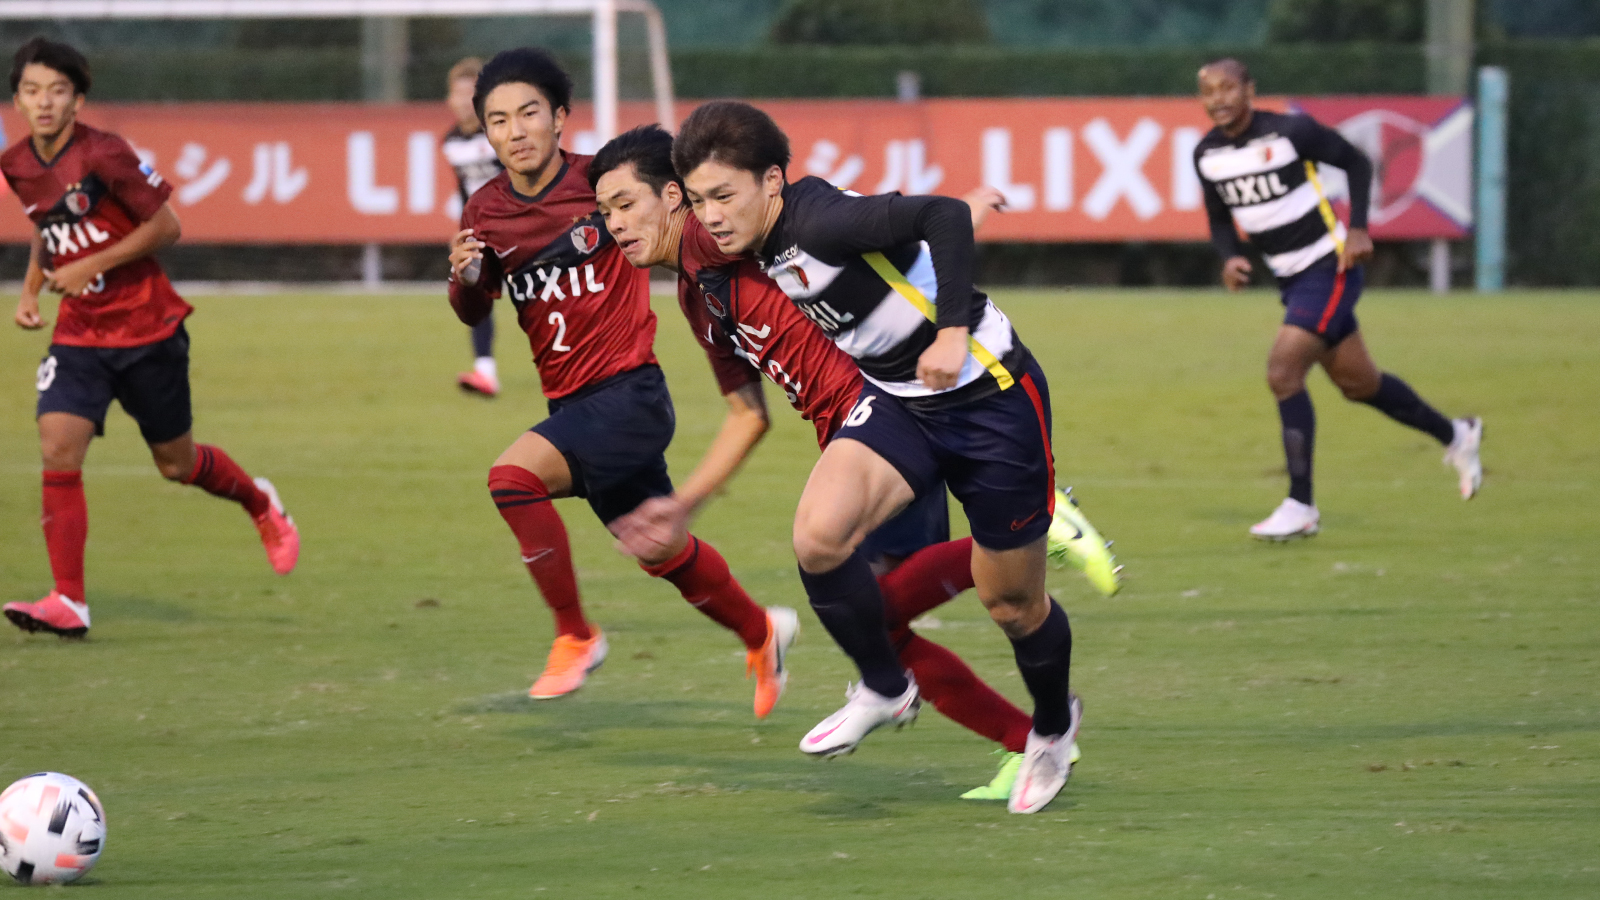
point(848, 602)
point(1399, 402)
point(1044, 658)
point(483, 337)
point(1299, 437)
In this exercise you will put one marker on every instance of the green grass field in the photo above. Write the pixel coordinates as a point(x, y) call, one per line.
point(1406, 706)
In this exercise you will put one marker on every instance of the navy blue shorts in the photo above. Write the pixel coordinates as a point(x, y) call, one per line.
point(150, 381)
point(994, 454)
point(922, 524)
point(1322, 300)
point(614, 435)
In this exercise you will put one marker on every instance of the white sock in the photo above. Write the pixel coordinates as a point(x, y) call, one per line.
point(484, 365)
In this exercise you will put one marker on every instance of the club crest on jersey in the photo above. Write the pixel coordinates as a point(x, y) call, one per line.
point(712, 303)
point(77, 202)
point(586, 238)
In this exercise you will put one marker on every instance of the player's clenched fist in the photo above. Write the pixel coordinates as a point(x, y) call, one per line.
point(653, 527)
point(466, 257)
point(1236, 272)
point(939, 366)
point(73, 279)
point(27, 315)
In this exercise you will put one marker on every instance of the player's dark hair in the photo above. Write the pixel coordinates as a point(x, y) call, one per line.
point(647, 148)
point(524, 65)
point(734, 134)
point(55, 55)
point(1234, 66)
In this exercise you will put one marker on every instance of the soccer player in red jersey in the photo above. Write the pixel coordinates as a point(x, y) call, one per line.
point(587, 315)
point(101, 215)
point(749, 328)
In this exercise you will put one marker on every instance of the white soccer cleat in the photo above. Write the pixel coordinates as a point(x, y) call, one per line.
point(1290, 520)
point(1463, 454)
point(866, 711)
point(1046, 765)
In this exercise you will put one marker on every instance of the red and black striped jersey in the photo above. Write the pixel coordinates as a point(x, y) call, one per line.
point(748, 328)
point(586, 310)
point(92, 195)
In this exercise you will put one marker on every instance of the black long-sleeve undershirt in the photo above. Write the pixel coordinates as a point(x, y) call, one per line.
point(851, 225)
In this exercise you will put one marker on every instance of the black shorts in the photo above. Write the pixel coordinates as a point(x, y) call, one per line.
point(614, 435)
point(994, 454)
point(1322, 300)
point(922, 524)
point(150, 381)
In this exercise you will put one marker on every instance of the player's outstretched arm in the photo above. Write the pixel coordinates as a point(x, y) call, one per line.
point(661, 522)
point(27, 315)
point(983, 201)
point(160, 231)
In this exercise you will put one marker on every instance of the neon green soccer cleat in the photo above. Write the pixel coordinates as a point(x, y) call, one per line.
point(1000, 787)
point(1076, 542)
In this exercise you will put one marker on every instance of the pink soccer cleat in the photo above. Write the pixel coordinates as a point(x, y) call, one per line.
point(56, 613)
point(476, 382)
point(278, 532)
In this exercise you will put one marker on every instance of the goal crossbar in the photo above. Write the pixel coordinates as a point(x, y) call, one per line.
point(603, 13)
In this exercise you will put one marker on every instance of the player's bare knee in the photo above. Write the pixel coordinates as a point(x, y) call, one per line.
point(1011, 619)
point(1015, 612)
point(817, 551)
point(1357, 389)
point(1285, 380)
point(173, 470)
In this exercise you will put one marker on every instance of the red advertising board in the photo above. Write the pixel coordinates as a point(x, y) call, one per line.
point(1073, 169)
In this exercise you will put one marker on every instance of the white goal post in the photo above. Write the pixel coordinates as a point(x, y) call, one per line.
point(603, 13)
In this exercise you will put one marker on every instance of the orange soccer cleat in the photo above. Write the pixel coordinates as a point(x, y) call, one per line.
point(56, 613)
point(571, 660)
point(279, 535)
point(476, 382)
point(768, 663)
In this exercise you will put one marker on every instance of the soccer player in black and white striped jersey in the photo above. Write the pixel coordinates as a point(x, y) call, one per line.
point(474, 162)
point(950, 396)
point(1259, 172)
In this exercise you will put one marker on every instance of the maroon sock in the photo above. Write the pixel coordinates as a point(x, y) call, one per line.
point(955, 690)
point(65, 520)
point(524, 502)
point(218, 475)
point(701, 575)
point(928, 578)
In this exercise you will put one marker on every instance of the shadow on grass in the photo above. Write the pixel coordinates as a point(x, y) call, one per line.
point(146, 609)
point(721, 753)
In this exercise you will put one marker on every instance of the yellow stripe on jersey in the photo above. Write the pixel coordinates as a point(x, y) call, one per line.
point(1328, 217)
point(906, 289)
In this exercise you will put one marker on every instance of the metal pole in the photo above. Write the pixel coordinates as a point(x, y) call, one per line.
point(660, 68)
point(1493, 88)
point(372, 266)
point(385, 46)
point(605, 70)
point(384, 54)
point(1439, 266)
point(1449, 36)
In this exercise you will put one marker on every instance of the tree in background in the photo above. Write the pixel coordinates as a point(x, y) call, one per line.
point(1335, 21)
point(905, 22)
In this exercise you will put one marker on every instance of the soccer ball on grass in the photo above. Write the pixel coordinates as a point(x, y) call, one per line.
point(52, 829)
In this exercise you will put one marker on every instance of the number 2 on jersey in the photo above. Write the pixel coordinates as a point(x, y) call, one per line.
point(559, 344)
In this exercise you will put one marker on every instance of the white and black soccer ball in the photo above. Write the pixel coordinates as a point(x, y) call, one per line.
point(52, 829)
